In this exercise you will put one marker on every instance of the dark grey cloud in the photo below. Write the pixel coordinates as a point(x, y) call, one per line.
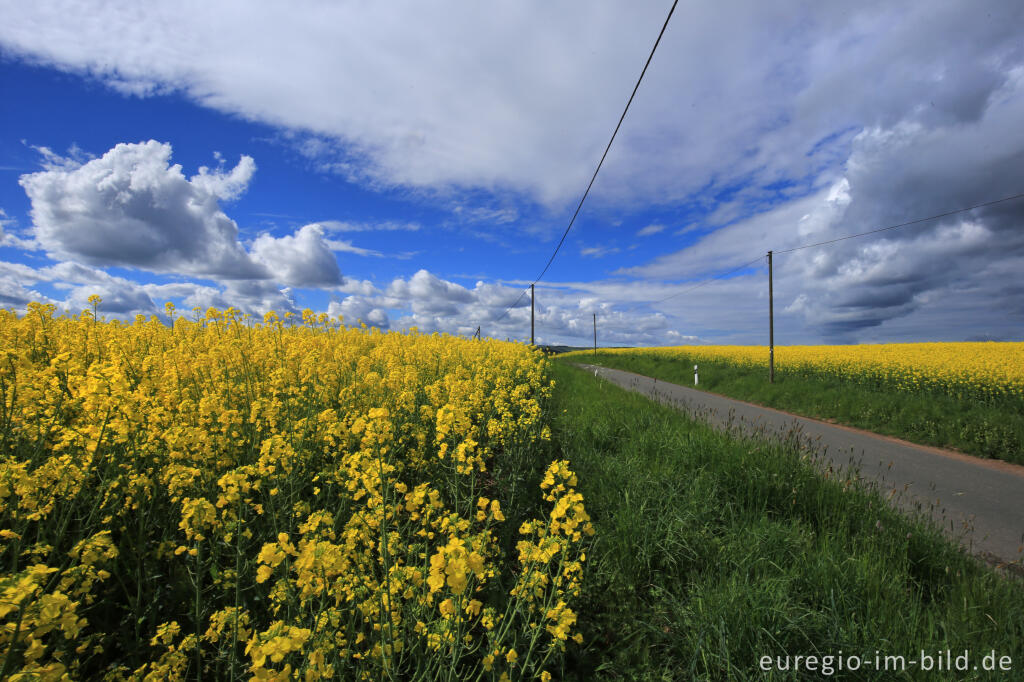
point(898, 281)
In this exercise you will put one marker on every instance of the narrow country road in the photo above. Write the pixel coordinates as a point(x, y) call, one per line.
point(980, 502)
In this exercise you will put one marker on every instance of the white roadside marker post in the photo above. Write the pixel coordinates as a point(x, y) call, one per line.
point(695, 380)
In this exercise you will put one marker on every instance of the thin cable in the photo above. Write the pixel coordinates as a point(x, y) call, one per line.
point(852, 236)
point(502, 316)
point(832, 241)
point(600, 163)
point(708, 281)
point(909, 222)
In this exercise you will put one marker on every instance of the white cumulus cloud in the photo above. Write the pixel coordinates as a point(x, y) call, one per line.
point(303, 259)
point(132, 208)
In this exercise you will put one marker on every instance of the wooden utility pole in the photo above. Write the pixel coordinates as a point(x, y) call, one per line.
point(531, 315)
point(595, 335)
point(771, 324)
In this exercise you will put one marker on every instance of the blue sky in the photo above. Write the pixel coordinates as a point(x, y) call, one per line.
point(410, 166)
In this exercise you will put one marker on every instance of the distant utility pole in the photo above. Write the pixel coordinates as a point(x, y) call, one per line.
point(476, 334)
point(771, 324)
point(531, 315)
point(595, 335)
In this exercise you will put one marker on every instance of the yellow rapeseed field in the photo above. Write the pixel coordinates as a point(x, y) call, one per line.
point(981, 371)
point(277, 499)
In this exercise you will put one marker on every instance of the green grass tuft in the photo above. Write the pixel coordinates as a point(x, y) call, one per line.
point(712, 551)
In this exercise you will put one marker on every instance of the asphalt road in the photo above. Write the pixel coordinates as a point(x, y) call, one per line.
point(979, 502)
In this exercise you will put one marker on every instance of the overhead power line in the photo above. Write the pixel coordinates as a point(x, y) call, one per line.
point(909, 222)
point(709, 281)
point(839, 239)
point(830, 241)
point(599, 163)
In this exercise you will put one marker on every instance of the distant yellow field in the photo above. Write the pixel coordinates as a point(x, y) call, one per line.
point(984, 371)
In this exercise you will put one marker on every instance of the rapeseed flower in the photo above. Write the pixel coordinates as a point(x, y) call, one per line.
point(307, 499)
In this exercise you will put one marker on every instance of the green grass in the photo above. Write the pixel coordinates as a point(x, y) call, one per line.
point(995, 431)
point(712, 551)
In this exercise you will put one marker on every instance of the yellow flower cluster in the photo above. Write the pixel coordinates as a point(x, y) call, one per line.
point(982, 371)
point(277, 499)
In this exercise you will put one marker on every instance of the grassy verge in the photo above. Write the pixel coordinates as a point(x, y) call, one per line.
point(711, 552)
point(983, 430)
